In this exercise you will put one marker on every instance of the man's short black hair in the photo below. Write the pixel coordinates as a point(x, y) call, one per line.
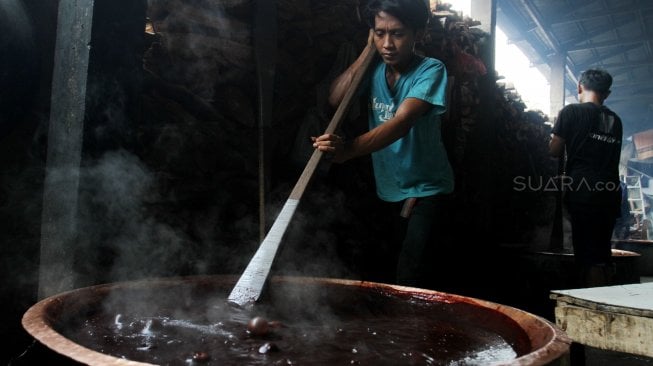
point(596, 80)
point(412, 13)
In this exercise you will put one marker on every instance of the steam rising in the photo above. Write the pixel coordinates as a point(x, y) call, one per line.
point(13, 12)
point(311, 246)
point(116, 230)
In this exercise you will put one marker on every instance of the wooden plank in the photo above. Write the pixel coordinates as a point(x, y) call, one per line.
point(634, 299)
point(606, 330)
point(68, 104)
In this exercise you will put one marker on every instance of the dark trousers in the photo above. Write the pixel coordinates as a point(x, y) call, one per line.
point(591, 235)
point(422, 241)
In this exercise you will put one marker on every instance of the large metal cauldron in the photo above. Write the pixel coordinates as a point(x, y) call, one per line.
point(642, 247)
point(556, 271)
point(320, 322)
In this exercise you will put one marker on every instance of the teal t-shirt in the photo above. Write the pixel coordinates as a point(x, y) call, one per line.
point(416, 165)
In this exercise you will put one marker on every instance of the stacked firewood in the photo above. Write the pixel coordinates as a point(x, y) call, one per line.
point(454, 39)
point(520, 152)
point(523, 137)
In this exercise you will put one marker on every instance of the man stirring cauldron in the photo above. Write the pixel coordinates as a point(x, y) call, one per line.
point(406, 98)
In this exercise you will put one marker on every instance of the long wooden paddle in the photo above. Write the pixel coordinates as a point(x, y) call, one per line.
point(250, 285)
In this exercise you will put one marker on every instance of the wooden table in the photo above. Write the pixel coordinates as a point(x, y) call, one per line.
point(615, 318)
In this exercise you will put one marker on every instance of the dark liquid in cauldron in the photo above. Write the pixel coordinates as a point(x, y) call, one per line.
point(321, 325)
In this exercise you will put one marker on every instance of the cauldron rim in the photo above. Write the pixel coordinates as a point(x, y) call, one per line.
point(615, 253)
point(548, 341)
point(630, 240)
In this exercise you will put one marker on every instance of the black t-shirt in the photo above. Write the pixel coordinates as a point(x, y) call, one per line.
point(593, 137)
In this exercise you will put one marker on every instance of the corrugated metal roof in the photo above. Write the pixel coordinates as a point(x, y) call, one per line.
point(614, 34)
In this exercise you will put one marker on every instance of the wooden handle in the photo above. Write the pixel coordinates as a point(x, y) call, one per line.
point(250, 285)
point(337, 118)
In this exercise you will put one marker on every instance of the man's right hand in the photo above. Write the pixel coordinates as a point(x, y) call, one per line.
point(331, 144)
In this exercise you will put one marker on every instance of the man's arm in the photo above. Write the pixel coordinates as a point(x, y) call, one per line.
point(379, 137)
point(556, 146)
point(341, 84)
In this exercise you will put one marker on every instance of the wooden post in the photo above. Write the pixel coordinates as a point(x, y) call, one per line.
point(557, 80)
point(557, 101)
point(485, 11)
point(68, 102)
point(265, 52)
point(485, 137)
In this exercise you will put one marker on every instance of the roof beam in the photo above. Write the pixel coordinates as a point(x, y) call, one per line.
point(580, 38)
point(605, 56)
point(615, 43)
point(588, 16)
point(623, 76)
point(642, 85)
point(634, 104)
point(643, 24)
point(632, 85)
point(532, 12)
point(624, 65)
point(551, 43)
point(644, 97)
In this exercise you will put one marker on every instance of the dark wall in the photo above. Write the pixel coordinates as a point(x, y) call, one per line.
point(27, 38)
point(19, 63)
point(27, 31)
